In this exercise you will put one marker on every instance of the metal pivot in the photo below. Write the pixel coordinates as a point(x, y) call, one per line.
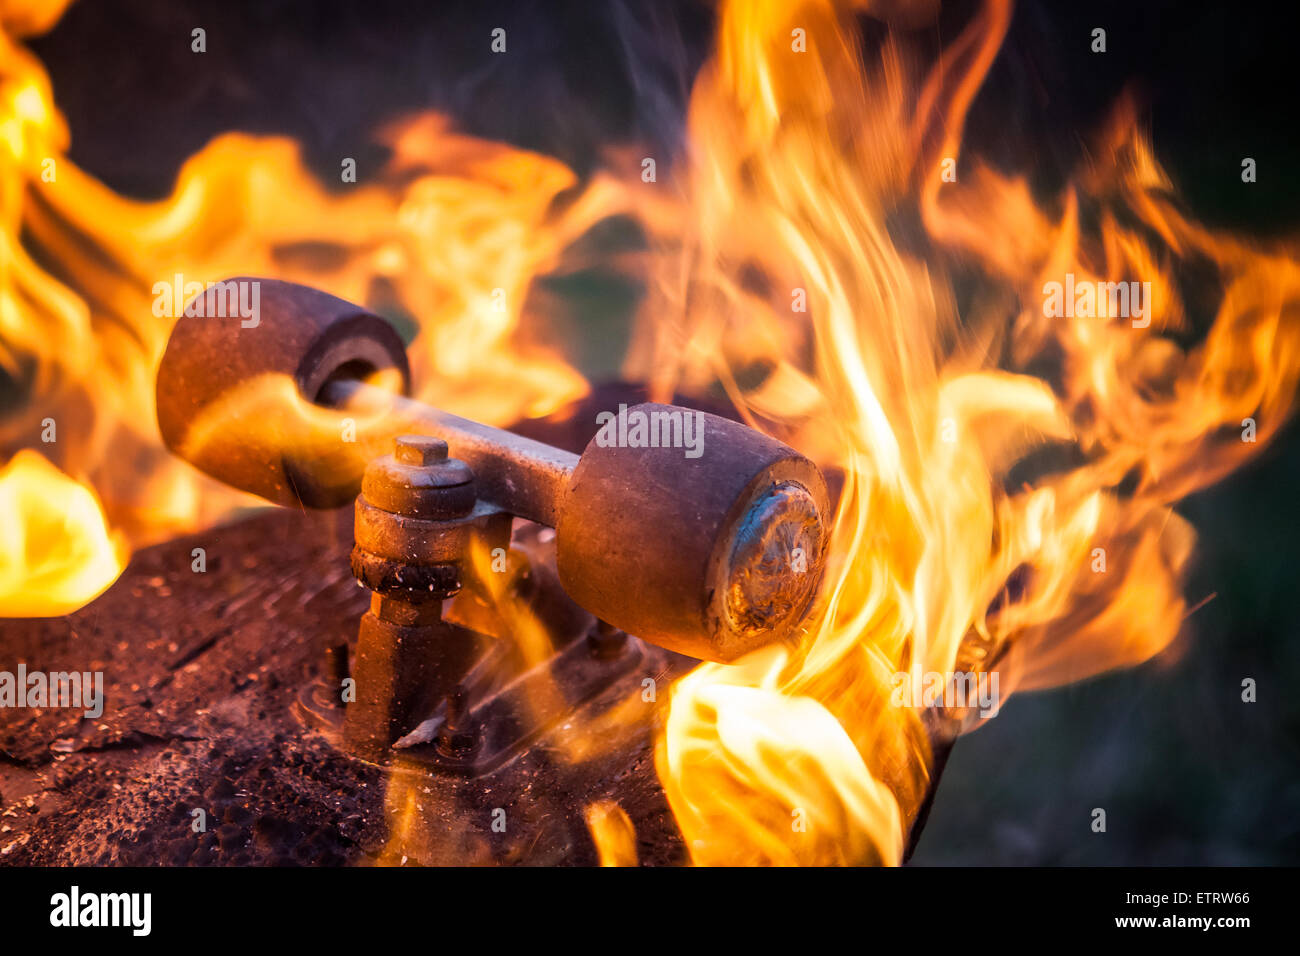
point(417, 518)
point(452, 695)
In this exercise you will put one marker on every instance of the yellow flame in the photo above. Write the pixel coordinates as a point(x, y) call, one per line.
point(450, 235)
point(612, 832)
point(803, 163)
point(60, 554)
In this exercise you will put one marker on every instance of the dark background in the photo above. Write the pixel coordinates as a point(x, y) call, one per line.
point(1187, 773)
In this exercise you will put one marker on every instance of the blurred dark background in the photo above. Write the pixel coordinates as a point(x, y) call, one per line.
point(1186, 771)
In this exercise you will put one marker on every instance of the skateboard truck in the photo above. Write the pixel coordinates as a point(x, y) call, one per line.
point(709, 556)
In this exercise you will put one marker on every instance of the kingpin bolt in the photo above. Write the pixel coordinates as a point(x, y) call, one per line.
point(420, 481)
point(419, 449)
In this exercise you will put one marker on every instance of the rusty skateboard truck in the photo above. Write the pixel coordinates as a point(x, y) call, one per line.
point(463, 531)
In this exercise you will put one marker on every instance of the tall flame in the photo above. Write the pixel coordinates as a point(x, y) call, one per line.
point(803, 163)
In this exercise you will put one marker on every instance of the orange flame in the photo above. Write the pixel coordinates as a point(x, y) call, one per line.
point(801, 158)
point(613, 834)
point(449, 235)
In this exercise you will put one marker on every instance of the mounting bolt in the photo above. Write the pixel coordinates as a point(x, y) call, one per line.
point(458, 737)
point(336, 663)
